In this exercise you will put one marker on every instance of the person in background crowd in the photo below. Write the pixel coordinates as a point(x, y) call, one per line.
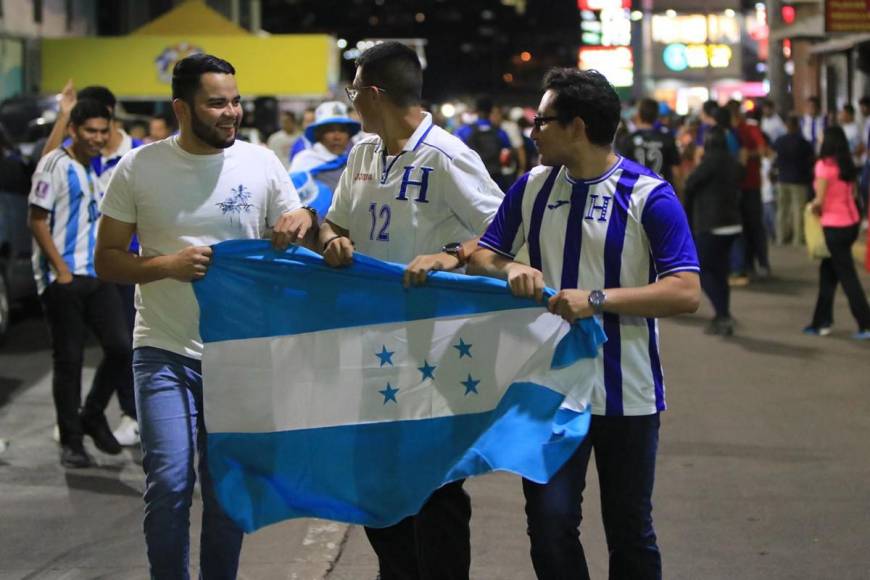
point(813, 123)
point(488, 140)
point(771, 123)
point(636, 262)
point(834, 202)
point(846, 120)
point(315, 172)
point(302, 143)
point(712, 200)
point(118, 144)
point(794, 162)
point(652, 147)
point(281, 141)
point(755, 256)
point(768, 190)
point(708, 119)
point(161, 126)
point(63, 218)
point(518, 161)
point(138, 131)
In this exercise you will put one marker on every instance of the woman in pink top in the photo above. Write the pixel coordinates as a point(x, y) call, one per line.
point(834, 186)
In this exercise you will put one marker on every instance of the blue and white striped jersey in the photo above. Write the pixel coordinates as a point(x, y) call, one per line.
point(68, 191)
point(625, 228)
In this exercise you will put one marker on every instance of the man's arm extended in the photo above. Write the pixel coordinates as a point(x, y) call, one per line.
point(677, 293)
point(114, 263)
point(58, 131)
point(37, 219)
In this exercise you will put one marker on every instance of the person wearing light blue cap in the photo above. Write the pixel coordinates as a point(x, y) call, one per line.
point(315, 171)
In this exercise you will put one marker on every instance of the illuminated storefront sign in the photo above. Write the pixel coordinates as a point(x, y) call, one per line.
point(686, 45)
point(615, 63)
point(679, 57)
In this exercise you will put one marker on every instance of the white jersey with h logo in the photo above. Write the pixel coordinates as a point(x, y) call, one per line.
point(625, 228)
point(434, 192)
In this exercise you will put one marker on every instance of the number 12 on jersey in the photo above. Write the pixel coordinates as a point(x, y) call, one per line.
point(381, 217)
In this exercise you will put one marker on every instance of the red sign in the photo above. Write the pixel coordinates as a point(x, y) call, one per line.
point(847, 15)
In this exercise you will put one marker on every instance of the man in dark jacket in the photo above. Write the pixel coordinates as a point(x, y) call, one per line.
point(794, 166)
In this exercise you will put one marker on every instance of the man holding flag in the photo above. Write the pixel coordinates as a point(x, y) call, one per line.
point(181, 195)
point(415, 195)
point(612, 236)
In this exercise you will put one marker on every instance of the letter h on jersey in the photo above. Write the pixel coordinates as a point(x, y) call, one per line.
point(423, 184)
point(593, 207)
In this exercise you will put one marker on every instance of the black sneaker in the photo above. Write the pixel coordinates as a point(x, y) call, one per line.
point(98, 429)
point(74, 456)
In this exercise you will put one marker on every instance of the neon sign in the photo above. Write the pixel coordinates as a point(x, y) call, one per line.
point(679, 57)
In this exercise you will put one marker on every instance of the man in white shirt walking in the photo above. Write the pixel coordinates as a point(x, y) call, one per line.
point(180, 196)
point(413, 194)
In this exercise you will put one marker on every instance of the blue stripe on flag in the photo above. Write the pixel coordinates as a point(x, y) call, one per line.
point(378, 473)
point(256, 306)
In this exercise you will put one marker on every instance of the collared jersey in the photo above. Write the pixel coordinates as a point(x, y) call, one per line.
point(67, 190)
point(623, 229)
point(434, 192)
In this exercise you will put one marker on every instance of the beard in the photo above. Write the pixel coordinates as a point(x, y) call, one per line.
point(210, 135)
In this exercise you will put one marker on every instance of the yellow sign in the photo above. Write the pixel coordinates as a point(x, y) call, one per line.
point(140, 67)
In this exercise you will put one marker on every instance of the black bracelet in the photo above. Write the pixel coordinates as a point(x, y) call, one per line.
point(332, 239)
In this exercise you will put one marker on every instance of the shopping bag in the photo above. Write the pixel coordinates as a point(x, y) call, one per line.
point(815, 237)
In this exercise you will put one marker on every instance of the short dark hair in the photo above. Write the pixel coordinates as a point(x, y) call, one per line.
point(588, 95)
point(167, 118)
point(188, 71)
point(715, 140)
point(98, 93)
point(710, 107)
point(396, 69)
point(793, 123)
point(483, 105)
point(848, 108)
point(722, 116)
point(85, 109)
point(648, 110)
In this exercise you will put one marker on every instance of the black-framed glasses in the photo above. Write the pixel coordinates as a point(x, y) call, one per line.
point(539, 122)
point(353, 92)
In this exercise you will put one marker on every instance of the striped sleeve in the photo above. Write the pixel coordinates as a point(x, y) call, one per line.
point(505, 234)
point(671, 244)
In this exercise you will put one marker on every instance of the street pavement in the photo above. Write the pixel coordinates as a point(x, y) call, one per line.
point(763, 470)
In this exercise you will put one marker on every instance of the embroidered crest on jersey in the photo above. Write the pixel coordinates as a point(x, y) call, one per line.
point(598, 207)
point(236, 204)
point(42, 189)
point(421, 183)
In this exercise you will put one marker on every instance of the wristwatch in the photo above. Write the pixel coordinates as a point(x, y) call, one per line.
point(597, 298)
point(455, 249)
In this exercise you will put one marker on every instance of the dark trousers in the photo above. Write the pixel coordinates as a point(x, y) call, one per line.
point(840, 268)
point(625, 454)
point(435, 544)
point(713, 252)
point(126, 397)
point(71, 309)
point(754, 236)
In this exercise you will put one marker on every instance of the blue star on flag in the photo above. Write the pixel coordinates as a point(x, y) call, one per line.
point(463, 348)
point(427, 370)
point(389, 394)
point(470, 385)
point(385, 355)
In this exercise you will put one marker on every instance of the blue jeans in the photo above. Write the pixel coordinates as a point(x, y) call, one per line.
point(625, 454)
point(172, 430)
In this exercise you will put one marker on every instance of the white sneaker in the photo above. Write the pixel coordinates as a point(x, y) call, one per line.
point(127, 432)
point(56, 433)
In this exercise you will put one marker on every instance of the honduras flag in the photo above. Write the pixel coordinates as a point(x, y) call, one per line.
point(339, 394)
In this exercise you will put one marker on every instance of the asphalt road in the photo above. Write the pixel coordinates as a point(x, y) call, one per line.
point(763, 472)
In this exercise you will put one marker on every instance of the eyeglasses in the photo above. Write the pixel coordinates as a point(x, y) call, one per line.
point(353, 92)
point(539, 122)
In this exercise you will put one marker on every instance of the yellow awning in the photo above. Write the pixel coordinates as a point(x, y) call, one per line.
point(191, 18)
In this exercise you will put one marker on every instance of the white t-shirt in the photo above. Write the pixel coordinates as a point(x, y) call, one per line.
point(434, 192)
point(177, 200)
